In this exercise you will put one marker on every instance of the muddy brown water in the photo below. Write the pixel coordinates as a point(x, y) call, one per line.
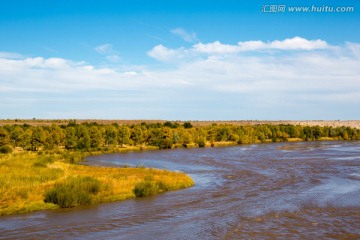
point(307, 190)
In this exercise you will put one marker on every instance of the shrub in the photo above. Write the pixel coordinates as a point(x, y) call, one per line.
point(166, 144)
point(187, 125)
point(201, 143)
point(146, 188)
point(5, 149)
point(75, 191)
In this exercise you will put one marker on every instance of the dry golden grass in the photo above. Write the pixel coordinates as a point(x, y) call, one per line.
point(321, 123)
point(25, 177)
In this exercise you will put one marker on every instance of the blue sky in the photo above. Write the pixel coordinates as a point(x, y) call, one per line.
point(179, 60)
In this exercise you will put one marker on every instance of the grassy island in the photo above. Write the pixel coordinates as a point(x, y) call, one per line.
point(32, 181)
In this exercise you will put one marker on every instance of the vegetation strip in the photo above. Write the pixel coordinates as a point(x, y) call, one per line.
point(97, 137)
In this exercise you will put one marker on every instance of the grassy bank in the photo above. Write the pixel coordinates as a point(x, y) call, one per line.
point(31, 181)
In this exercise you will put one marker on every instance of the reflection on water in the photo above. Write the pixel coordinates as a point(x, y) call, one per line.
point(282, 190)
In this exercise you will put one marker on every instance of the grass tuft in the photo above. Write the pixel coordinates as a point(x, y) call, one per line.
point(73, 192)
point(146, 188)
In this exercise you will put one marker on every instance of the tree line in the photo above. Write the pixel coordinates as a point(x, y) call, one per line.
point(94, 136)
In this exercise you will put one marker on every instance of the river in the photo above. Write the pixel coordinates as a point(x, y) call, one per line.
point(305, 190)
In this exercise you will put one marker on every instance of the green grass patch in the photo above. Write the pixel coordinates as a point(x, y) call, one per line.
point(5, 149)
point(73, 192)
point(147, 188)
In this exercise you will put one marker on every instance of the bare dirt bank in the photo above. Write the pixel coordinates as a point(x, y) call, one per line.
point(321, 123)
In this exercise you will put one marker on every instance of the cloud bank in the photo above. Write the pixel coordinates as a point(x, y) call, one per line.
point(162, 53)
point(293, 78)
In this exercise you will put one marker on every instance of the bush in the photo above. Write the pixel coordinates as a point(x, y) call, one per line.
point(187, 125)
point(147, 188)
point(75, 191)
point(166, 144)
point(5, 149)
point(201, 143)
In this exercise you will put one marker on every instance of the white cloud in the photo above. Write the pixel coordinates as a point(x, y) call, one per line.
point(251, 45)
point(164, 54)
point(215, 47)
point(213, 81)
point(104, 48)
point(296, 43)
point(186, 36)
point(40, 62)
point(108, 50)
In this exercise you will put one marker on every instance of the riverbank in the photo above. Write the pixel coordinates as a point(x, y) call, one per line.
point(25, 179)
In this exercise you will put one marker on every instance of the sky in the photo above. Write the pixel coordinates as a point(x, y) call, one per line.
point(180, 60)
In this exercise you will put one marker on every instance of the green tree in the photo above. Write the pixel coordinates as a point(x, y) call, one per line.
point(16, 135)
point(185, 137)
point(95, 137)
point(55, 137)
point(111, 135)
point(317, 132)
point(137, 135)
point(124, 135)
point(71, 139)
point(4, 137)
point(187, 125)
point(176, 137)
point(38, 138)
point(25, 141)
point(83, 137)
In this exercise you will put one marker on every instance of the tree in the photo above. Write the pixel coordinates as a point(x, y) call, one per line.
point(55, 137)
point(4, 137)
point(111, 135)
point(161, 137)
point(16, 134)
point(200, 138)
point(317, 132)
point(137, 135)
point(185, 137)
point(175, 137)
point(25, 141)
point(38, 138)
point(95, 137)
point(83, 136)
point(187, 125)
point(124, 135)
point(71, 139)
